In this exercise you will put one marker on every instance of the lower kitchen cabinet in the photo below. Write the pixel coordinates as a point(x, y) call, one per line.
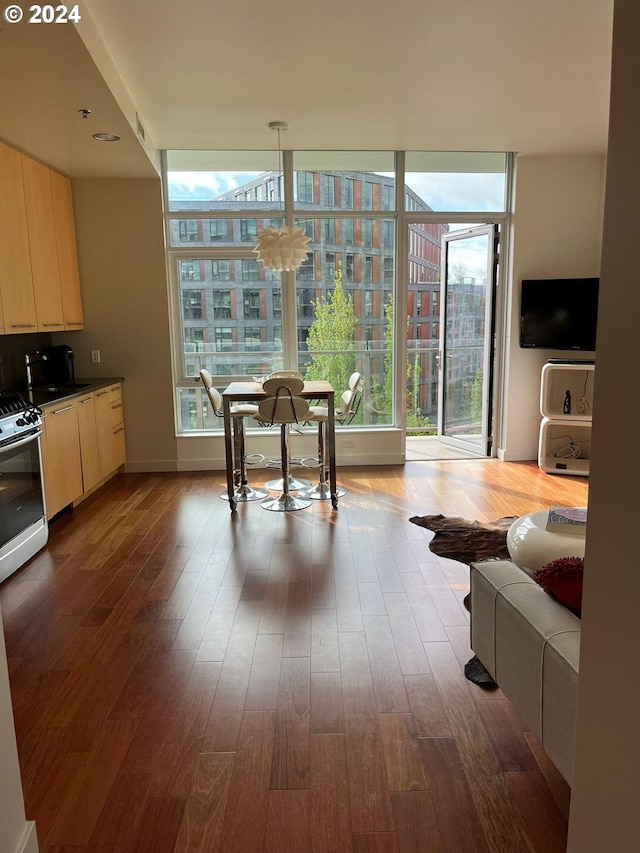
point(61, 462)
point(88, 442)
point(110, 429)
point(82, 445)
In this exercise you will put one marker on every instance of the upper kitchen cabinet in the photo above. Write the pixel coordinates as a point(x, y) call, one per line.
point(39, 282)
point(67, 251)
point(16, 280)
point(42, 246)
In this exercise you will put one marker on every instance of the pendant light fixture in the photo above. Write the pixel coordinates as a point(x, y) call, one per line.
point(283, 248)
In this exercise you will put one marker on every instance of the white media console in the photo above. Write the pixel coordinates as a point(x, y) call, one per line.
point(566, 401)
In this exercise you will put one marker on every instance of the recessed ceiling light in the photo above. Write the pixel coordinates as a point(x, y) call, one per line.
point(106, 137)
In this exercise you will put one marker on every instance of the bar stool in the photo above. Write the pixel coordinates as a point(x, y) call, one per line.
point(242, 491)
point(320, 415)
point(283, 407)
point(295, 483)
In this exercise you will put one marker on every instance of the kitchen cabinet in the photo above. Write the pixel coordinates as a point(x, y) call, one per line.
point(91, 475)
point(65, 235)
point(61, 460)
point(42, 246)
point(16, 280)
point(110, 428)
point(82, 445)
point(39, 280)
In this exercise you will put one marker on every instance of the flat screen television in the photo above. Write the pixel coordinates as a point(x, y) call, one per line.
point(559, 313)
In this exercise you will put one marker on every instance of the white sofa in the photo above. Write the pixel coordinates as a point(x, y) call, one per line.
point(530, 644)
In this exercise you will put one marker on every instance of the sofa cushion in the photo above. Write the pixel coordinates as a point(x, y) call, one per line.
point(562, 579)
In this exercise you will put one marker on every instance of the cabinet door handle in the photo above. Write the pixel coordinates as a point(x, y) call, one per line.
point(53, 325)
point(119, 429)
point(116, 405)
point(23, 325)
point(60, 411)
point(88, 400)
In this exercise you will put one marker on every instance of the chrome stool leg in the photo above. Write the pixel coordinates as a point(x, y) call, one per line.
point(322, 490)
point(243, 491)
point(285, 502)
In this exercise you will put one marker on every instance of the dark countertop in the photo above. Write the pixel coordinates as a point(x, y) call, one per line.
point(47, 395)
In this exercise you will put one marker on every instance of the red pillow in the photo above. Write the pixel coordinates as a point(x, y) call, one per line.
point(562, 579)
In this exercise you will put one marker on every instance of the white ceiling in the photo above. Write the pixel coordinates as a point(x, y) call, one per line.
point(531, 77)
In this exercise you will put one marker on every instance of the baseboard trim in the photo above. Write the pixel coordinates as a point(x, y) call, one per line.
point(28, 843)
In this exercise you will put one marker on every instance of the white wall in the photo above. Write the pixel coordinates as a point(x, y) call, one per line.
point(123, 276)
point(556, 233)
point(606, 779)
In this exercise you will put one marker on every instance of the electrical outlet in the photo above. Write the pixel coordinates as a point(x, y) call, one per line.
point(95, 356)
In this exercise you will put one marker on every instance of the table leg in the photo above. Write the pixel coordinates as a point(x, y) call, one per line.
point(331, 435)
point(228, 452)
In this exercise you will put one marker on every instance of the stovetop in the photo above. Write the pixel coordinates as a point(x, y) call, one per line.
point(17, 415)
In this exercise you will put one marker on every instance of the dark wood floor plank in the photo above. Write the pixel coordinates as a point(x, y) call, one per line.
point(405, 770)
point(506, 732)
point(388, 684)
point(262, 690)
point(544, 821)
point(426, 706)
point(245, 817)
point(368, 783)
point(200, 830)
point(325, 649)
point(497, 811)
point(159, 826)
point(329, 813)
point(290, 760)
point(297, 625)
point(376, 842)
point(181, 746)
point(76, 819)
point(287, 822)
point(557, 785)
point(154, 618)
point(413, 660)
point(327, 708)
point(415, 822)
point(117, 825)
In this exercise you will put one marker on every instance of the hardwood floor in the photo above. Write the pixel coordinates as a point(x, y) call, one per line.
point(188, 680)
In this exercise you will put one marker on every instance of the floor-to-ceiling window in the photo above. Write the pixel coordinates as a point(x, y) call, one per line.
point(365, 298)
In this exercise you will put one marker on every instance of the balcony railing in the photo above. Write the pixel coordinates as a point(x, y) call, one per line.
point(372, 361)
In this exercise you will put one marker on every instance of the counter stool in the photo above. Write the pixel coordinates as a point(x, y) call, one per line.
point(295, 483)
point(242, 491)
point(320, 415)
point(283, 407)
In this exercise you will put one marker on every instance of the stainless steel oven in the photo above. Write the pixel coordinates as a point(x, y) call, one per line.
point(23, 523)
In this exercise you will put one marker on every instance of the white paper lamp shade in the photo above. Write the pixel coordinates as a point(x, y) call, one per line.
point(282, 248)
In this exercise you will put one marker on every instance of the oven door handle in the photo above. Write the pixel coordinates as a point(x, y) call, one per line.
point(20, 441)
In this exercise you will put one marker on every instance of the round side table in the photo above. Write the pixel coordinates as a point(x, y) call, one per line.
point(532, 546)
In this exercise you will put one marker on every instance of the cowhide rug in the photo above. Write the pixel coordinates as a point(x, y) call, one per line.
point(466, 541)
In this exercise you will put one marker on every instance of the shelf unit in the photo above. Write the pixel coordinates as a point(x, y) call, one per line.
point(566, 401)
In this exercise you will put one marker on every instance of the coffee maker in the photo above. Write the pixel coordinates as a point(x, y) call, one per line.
point(51, 367)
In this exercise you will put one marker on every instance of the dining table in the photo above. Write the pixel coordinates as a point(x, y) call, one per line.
point(253, 392)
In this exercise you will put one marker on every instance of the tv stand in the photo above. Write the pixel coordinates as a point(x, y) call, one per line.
point(566, 402)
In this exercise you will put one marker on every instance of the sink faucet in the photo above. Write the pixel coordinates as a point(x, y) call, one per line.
point(30, 359)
